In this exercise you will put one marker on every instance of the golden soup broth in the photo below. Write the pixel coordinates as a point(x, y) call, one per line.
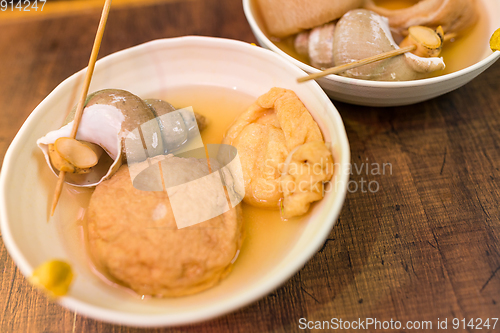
point(395, 4)
point(267, 237)
point(458, 53)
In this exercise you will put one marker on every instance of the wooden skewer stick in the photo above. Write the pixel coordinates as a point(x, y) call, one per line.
point(450, 36)
point(362, 62)
point(83, 95)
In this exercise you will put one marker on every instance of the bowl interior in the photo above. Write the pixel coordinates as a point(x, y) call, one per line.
point(149, 70)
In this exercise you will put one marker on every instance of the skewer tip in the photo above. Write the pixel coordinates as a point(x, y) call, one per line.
point(57, 192)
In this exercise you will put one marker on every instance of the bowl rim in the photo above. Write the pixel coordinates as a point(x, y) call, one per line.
point(261, 36)
point(229, 304)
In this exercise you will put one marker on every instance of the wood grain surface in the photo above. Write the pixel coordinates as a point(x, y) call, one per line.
point(425, 246)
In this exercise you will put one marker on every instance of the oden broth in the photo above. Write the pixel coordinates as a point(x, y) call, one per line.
point(267, 236)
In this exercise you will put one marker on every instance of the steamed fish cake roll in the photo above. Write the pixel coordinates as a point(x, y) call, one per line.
point(265, 135)
point(135, 241)
point(108, 117)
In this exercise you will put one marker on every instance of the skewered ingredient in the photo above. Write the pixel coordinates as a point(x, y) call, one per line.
point(318, 44)
point(83, 95)
point(429, 42)
point(110, 115)
point(71, 155)
point(61, 164)
point(361, 34)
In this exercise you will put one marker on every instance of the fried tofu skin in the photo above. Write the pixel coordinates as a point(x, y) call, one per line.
point(302, 182)
point(265, 135)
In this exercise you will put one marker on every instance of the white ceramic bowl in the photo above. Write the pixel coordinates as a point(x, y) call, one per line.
point(376, 93)
point(26, 184)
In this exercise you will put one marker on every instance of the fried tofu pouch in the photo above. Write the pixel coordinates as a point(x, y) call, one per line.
point(275, 126)
point(302, 181)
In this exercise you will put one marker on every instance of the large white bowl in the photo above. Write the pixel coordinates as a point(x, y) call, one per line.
point(26, 184)
point(376, 93)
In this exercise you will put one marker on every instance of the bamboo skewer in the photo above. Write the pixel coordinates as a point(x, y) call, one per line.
point(362, 62)
point(83, 95)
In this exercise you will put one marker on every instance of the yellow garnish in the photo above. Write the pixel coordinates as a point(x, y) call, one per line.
point(54, 276)
point(495, 41)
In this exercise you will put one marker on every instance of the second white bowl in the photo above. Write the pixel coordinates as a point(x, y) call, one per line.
point(377, 93)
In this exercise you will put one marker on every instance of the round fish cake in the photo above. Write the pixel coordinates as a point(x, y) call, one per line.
point(134, 239)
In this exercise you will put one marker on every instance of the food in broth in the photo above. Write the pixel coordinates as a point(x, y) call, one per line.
point(134, 239)
point(358, 30)
point(134, 235)
point(274, 131)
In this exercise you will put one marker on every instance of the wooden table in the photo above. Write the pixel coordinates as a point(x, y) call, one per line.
point(425, 246)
